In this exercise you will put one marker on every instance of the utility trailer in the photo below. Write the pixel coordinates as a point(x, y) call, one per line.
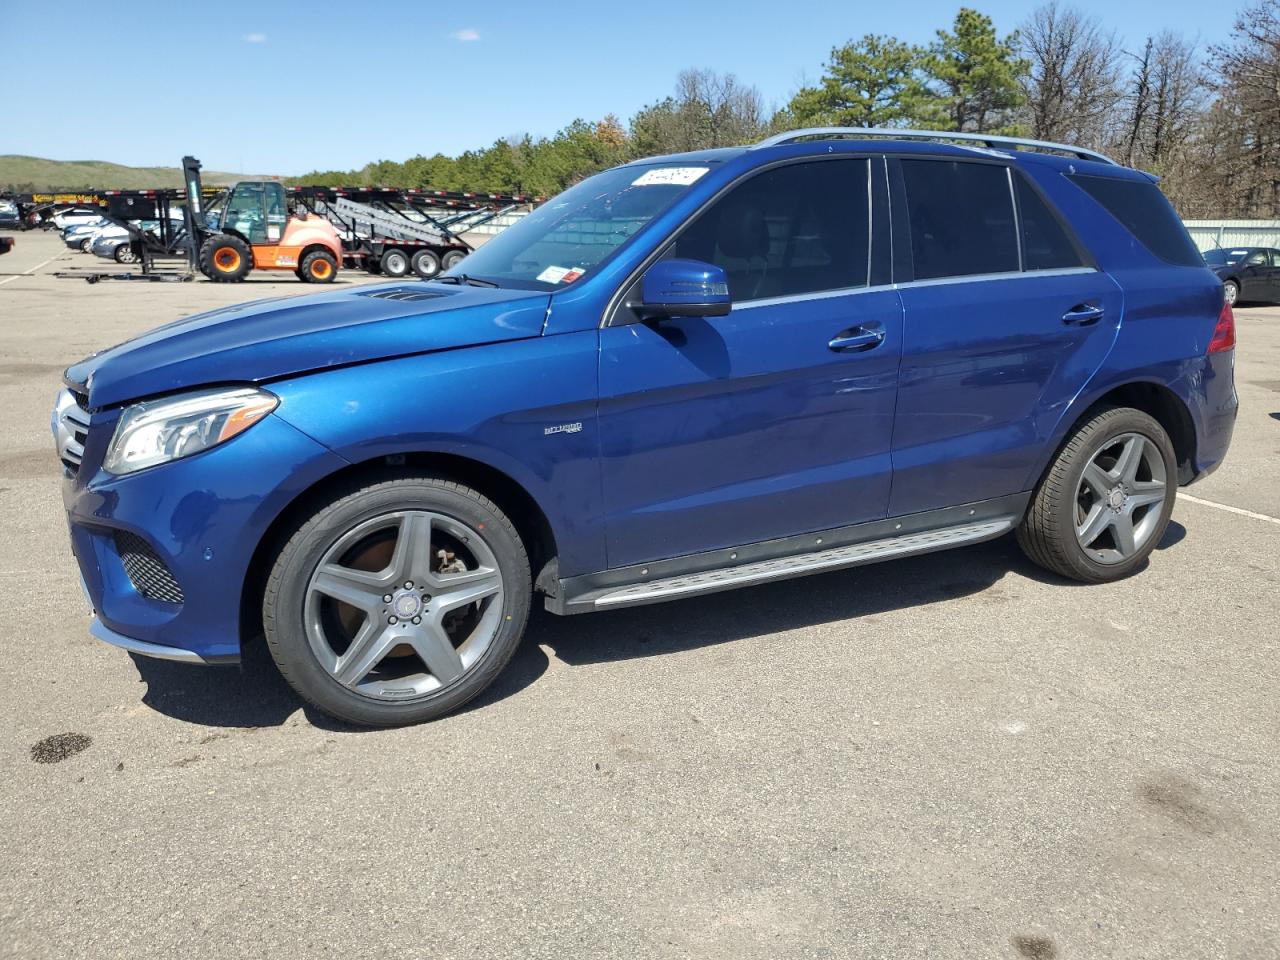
point(398, 231)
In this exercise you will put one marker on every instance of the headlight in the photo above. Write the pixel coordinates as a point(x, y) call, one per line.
point(164, 430)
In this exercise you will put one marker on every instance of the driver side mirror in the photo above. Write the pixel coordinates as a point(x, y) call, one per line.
point(684, 288)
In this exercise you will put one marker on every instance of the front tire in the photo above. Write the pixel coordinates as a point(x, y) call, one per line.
point(124, 253)
point(225, 258)
point(1105, 501)
point(397, 602)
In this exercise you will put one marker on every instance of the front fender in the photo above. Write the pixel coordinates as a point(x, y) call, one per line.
point(526, 408)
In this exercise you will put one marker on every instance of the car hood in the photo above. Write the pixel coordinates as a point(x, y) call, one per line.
point(268, 339)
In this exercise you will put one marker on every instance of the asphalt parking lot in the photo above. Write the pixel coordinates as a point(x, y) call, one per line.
point(956, 755)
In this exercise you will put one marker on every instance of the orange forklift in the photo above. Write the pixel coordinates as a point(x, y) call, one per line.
point(256, 231)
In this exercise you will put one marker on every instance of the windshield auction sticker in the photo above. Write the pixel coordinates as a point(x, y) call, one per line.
point(681, 176)
point(560, 274)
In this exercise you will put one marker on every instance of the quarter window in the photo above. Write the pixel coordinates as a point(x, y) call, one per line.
point(796, 229)
point(1046, 245)
point(961, 218)
point(1143, 210)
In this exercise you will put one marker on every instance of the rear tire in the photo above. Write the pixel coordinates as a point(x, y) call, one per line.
point(425, 264)
point(318, 267)
point(394, 263)
point(433, 645)
point(1231, 292)
point(453, 258)
point(1105, 501)
point(225, 258)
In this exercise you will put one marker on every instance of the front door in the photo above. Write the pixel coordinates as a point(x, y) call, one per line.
point(773, 420)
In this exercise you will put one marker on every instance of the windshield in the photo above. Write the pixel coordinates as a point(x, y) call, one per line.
point(1223, 258)
point(571, 234)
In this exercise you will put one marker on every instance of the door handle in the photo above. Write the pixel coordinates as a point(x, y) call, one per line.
point(1083, 314)
point(856, 339)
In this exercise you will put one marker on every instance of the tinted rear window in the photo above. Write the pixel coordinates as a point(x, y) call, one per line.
point(1046, 245)
point(961, 217)
point(1145, 212)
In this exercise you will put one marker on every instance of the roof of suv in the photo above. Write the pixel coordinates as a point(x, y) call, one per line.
point(926, 143)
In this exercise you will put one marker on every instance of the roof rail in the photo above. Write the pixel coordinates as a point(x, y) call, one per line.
point(986, 139)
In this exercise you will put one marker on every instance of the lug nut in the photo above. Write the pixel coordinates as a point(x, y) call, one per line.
point(387, 598)
point(408, 584)
point(417, 619)
point(391, 620)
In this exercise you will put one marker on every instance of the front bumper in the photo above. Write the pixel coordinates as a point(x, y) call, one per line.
point(202, 518)
point(104, 633)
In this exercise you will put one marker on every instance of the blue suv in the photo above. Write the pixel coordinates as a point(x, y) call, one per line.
point(686, 374)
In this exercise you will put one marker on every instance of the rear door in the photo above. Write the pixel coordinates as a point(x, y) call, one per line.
point(1003, 326)
point(764, 423)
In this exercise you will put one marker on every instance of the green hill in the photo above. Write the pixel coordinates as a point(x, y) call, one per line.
point(26, 174)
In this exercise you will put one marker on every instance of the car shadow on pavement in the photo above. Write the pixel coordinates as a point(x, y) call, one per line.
point(778, 607)
point(253, 694)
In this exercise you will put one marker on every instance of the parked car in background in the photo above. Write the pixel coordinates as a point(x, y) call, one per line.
point(1248, 273)
point(80, 236)
point(691, 373)
point(114, 242)
point(10, 217)
point(75, 216)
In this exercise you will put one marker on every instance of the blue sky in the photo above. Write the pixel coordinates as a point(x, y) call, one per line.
point(284, 88)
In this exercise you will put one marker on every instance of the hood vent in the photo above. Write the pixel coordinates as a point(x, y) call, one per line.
point(407, 294)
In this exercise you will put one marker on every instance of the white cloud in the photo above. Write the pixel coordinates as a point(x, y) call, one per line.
point(255, 38)
point(466, 36)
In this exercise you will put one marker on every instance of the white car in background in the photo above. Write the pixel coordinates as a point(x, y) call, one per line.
point(75, 216)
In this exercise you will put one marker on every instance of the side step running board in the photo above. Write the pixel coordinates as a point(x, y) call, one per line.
point(798, 565)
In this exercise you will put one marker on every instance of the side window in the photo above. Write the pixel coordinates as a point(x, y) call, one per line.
point(1046, 245)
point(1143, 210)
point(961, 218)
point(1258, 258)
point(795, 229)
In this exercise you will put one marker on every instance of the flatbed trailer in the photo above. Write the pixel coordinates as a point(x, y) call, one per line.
point(397, 231)
point(168, 252)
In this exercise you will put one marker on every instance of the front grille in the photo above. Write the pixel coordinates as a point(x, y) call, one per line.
point(403, 293)
point(148, 573)
point(71, 428)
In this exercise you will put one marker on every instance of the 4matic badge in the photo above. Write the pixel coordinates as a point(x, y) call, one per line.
point(563, 428)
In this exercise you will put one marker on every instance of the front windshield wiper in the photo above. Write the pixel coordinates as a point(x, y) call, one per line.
point(461, 278)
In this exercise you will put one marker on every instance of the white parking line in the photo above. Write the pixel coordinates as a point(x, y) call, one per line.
point(28, 273)
point(1223, 506)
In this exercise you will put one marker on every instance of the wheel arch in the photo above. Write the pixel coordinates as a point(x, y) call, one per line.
point(311, 248)
point(530, 520)
point(1154, 399)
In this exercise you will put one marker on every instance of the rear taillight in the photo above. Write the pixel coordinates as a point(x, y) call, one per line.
point(1224, 334)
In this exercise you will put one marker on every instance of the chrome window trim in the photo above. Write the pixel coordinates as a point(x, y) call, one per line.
point(933, 282)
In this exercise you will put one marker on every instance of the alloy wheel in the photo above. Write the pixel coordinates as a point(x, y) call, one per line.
point(1120, 498)
point(404, 604)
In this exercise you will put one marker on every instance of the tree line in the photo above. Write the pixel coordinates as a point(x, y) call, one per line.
point(1205, 119)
